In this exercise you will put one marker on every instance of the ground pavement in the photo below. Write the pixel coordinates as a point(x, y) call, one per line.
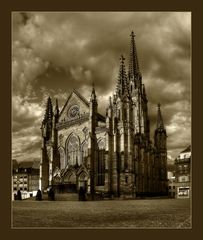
point(142, 213)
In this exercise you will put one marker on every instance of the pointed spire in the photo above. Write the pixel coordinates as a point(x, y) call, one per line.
point(134, 70)
point(93, 95)
point(56, 111)
point(160, 122)
point(122, 83)
point(49, 110)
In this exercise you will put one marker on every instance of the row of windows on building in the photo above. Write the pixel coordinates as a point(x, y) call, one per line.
point(20, 182)
point(20, 188)
point(21, 177)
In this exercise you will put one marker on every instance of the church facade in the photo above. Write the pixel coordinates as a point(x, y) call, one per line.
point(110, 154)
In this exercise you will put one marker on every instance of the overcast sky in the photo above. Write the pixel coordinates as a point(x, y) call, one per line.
point(52, 53)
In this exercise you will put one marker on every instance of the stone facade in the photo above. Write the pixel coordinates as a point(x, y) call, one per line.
point(112, 154)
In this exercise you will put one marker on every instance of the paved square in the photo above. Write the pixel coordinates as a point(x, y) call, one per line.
point(144, 213)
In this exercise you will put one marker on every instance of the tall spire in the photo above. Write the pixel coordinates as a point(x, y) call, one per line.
point(134, 70)
point(160, 122)
point(122, 84)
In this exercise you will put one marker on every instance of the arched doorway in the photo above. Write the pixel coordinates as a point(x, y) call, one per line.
point(101, 163)
point(57, 184)
point(83, 181)
point(70, 182)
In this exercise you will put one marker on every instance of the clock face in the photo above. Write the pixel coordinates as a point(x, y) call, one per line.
point(73, 111)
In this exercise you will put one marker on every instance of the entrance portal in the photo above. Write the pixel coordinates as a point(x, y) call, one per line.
point(70, 183)
point(82, 181)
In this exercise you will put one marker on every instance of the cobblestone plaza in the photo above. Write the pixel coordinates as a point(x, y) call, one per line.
point(130, 214)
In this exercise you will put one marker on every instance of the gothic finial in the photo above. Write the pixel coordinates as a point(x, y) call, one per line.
point(132, 34)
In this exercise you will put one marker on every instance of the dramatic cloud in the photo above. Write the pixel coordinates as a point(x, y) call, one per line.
point(52, 53)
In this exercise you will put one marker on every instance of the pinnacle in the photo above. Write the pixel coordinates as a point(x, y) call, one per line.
point(160, 123)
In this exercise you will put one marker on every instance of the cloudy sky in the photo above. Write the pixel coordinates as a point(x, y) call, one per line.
point(54, 52)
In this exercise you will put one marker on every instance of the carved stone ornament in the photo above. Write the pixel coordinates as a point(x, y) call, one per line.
point(73, 111)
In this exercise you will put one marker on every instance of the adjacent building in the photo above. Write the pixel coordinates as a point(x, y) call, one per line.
point(111, 154)
point(183, 174)
point(25, 177)
point(179, 175)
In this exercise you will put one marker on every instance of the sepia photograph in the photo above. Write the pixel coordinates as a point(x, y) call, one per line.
point(101, 120)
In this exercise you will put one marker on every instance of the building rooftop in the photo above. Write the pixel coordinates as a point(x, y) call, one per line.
point(188, 149)
point(25, 164)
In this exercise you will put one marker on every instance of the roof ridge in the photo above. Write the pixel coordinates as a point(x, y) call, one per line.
point(79, 95)
point(188, 149)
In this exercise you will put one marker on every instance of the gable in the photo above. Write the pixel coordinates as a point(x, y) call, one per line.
point(75, 106)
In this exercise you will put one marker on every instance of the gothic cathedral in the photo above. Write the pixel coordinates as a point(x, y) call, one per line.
point(110, 155)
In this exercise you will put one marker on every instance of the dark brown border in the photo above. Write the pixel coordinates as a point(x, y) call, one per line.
point(104, 5)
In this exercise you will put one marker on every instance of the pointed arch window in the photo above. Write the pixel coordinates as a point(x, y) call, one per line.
point(101, 163)
point(62, 158)
point(84, 152)
point(73, 150)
